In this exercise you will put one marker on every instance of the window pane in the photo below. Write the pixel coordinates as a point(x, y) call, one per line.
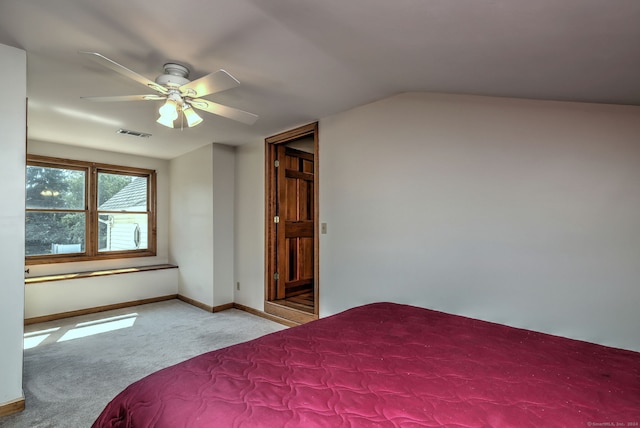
point(119, 232)
point(55, 188)
point(117, 192)
point(54, 233)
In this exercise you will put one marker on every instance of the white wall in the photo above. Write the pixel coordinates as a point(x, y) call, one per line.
point(12, 161)
point(223, 223)
point(202, 195)
point(191, 222)
point(62, 296)
point(520, 212)
point(249, 225)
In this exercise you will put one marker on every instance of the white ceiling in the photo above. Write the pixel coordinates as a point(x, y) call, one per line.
point(301, 60)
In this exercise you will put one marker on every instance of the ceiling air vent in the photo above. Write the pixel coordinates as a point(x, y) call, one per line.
point(133, 133)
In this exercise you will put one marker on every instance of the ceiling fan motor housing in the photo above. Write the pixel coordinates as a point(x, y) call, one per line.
point(175, 76)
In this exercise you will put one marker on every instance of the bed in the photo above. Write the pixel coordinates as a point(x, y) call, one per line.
point(390, 365)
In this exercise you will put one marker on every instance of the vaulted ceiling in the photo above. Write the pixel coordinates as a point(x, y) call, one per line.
point(301, 60)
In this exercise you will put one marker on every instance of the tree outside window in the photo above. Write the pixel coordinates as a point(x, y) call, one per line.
point(56, 210)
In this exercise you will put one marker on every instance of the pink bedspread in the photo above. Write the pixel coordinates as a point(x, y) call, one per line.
point(390, 365)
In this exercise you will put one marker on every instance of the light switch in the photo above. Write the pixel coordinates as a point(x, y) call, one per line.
point(323, 228)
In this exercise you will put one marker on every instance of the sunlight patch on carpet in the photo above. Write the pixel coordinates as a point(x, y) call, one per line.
point(83, 329)
point(34, 338)
point(99, 326)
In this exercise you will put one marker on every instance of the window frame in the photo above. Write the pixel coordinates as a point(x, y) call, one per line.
point(91, 251)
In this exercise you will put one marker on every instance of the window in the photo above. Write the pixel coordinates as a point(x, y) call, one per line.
point(87, 211)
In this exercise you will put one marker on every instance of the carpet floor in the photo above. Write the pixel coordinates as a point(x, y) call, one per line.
point(75, 366)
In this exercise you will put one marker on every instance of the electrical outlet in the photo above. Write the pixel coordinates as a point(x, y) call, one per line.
point(238, 285)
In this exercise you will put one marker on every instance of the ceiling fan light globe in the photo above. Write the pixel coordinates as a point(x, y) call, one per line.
point(166, 121)
point(169, 109)
point(192, 117)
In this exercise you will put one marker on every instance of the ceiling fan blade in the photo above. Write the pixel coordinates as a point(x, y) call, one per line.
point(217, 81)
point(224, 111)
point(127, 98)
point(103, 60)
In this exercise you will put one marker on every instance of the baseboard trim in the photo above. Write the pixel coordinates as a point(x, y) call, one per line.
point(244, 308)
point(262, 314)
point(195, 303)
point(204, 306)
point(224, 307)
point(54, 317)
point(12, 407)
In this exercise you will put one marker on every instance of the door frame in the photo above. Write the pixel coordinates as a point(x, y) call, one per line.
point(271, 145)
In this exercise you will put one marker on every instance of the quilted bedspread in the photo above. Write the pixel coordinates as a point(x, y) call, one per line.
point(391, 365)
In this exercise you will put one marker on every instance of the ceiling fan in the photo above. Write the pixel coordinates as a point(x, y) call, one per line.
point(181, 94)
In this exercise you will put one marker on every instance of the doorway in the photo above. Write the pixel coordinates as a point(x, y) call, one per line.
point(291, 283)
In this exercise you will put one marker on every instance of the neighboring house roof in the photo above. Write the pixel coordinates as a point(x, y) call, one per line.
point(132, 195)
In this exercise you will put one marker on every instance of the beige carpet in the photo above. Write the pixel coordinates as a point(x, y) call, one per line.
point(75, 366)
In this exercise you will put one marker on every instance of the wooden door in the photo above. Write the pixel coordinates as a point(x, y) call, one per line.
point(294, 222)
point(291, 225)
